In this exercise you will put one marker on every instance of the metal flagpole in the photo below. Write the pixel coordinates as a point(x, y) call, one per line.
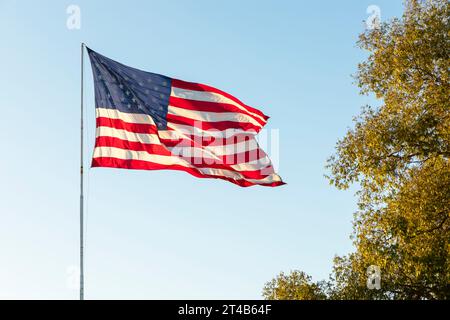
point(81, 183)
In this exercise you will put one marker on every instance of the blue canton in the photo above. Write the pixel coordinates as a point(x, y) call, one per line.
point(130, 90)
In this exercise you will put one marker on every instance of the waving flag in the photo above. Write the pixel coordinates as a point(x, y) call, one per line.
point(149, 121)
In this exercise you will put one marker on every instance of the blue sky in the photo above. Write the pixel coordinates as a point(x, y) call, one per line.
point(166, 234)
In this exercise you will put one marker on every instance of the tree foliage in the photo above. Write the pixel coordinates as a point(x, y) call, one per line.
point(399, 155)
point(296, 285)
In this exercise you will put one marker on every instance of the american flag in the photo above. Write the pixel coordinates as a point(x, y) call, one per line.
point(149, 121)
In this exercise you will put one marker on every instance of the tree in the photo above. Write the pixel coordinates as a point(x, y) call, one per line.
point(399, 154)
point(297, 285)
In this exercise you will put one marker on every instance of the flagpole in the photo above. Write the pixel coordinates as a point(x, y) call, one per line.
point(81, 183)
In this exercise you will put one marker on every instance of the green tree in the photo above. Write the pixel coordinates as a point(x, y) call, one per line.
point(399, 154)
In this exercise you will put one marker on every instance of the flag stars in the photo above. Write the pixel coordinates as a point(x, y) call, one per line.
point(132, 91)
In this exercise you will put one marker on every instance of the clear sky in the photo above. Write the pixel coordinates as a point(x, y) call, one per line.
point(166, 234)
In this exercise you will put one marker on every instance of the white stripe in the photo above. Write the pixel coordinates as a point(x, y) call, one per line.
point(139, 118)
point(137, 155)
point(224, 134)
point(254, 167)
point(229, 149)
point(127, 135)
point(213, 116)
point(260, 163)
point(165, 160)
point(209, 97)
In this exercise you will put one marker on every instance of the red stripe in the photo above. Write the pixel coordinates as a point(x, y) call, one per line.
point(105, 141)
point(132, 127)
point(202, 87)
point(210, 107)
point(145, 165)
point(220, 125)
